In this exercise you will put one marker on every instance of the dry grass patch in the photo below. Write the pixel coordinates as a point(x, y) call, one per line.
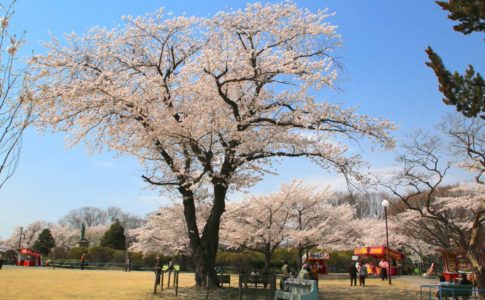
point(42, 283)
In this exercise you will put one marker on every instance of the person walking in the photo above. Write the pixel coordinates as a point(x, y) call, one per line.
point(353, 274)
point(362, 269)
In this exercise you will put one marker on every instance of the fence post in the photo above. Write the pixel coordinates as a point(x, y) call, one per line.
point(207, 286)
point(176, 282)
point(273, 285)
point(157, 280)
point(240, 287)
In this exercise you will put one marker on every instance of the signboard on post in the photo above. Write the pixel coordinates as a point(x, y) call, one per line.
point(355, 258)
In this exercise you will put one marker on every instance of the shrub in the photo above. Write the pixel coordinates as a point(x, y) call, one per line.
point(100, 254)
point(76, 252)
point(119, 256)
point(289, 254)
point(136, 258)
point(340, 260)
point(60, 253)
point(244, 261)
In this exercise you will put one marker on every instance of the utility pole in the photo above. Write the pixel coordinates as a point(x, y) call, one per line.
point(20, 238)
point(20, 246)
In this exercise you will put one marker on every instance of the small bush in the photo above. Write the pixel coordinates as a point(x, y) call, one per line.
point(60, 253)
point(149, 259)
point(136, 257)
point(77, 252)
point(119, 256)
point(100, 254)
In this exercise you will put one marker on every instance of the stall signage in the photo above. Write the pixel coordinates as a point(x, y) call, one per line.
point(26, 251)
point(376, 250)
point(316, 255)
point(361, 251)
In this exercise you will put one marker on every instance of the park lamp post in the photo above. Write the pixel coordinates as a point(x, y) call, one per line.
point(385, 204)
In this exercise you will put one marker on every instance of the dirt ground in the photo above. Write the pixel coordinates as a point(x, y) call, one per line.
point(42, 283)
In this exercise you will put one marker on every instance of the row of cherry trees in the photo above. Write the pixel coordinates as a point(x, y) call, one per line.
point(67, 231)
point(298, 216)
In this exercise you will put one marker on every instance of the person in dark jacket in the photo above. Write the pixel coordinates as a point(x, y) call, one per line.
point(464, 280)
point(353, 274)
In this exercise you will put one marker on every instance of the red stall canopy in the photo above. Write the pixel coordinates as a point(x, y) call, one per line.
point(29, 257)
point(378, 252)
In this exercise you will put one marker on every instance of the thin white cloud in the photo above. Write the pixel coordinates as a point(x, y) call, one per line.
point(104, 164)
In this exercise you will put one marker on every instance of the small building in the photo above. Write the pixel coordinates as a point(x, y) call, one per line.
point(455, 263)
point(317, 262)
point(29, 258)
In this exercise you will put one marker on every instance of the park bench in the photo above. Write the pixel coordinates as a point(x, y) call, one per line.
point(255, 279)
point(455, 291)
point(298, 289)
point(224, 279)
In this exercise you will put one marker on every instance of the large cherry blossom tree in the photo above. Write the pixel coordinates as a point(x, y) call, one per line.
point(205, 104)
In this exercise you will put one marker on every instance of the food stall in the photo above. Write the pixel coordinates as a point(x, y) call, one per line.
point(379, 252)
point(455, 263)
point(29, 258)
point(317, 262)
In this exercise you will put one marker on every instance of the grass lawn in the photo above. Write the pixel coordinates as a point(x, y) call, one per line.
point(42, 283)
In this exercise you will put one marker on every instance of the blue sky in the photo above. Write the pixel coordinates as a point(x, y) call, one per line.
point(384, 74)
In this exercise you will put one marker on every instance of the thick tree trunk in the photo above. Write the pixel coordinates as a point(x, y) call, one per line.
point(205, 274)
point(267, 259)
point(479, 270)
point(481, 283)
point(204, 248)
point(300, 256)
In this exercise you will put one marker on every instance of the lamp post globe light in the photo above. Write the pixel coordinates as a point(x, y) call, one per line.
point(385, 204)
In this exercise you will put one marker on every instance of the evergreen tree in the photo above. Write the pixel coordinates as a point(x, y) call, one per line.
point(114, 237)
point(470, 14)
point(466, 92)
point(44, 242)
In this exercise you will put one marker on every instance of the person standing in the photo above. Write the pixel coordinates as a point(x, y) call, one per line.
point(362, 269)
point(304, 272)
point(384, 267)
point(83, 261)
point(285, 270)
point(464, 280)
point(1, 261)
point(353, 274)
point(127, 264)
